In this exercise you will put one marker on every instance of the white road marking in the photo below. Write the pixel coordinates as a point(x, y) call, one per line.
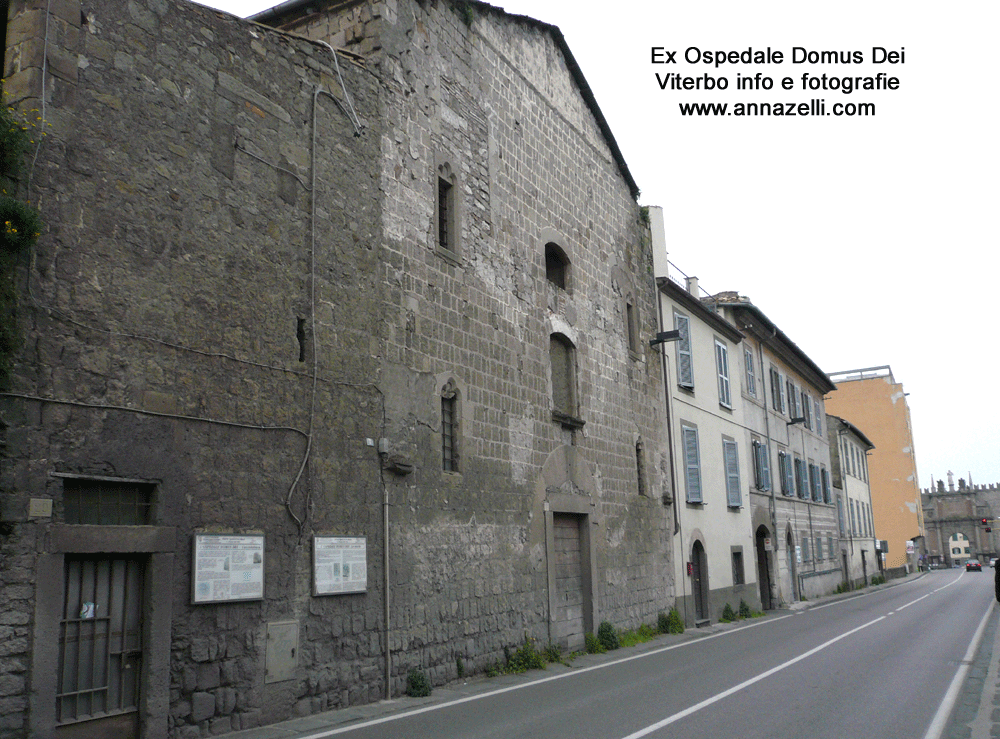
point(521, 686)
point(951, 696)
point(746, 683)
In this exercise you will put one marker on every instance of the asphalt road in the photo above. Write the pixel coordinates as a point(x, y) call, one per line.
point(876, 665)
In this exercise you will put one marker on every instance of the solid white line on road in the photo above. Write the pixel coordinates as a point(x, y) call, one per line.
point(951, 696)
point(521, 686)
point(747, 683)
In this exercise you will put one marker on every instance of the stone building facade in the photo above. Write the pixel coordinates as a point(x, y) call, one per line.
point(859, 544)
point(335, 363)
point(958, 511)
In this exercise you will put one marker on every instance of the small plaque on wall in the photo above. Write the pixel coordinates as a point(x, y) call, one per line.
point(227, 567)
point(340, 565)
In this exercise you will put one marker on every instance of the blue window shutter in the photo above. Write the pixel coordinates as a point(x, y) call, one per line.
point(692, 465)
point(722, 367)
point(685, 368)
point(731, 456)
point(765, 466)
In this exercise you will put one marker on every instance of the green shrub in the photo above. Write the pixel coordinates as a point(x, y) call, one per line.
point(728, 614)
point(593, 644)
point(643, 634)
point(526, 658)
point(553, 653)
point(459, 667)
point(675, 625)
point(607, 636)
point(744, 609)
point(417, 684)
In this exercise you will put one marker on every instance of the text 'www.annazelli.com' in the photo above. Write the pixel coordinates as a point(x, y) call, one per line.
point(816, 106)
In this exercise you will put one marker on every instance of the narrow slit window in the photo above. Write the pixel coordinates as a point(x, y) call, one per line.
point(640, 467)
point(449, 428)
point(300, 335)
point(632, 328)
point(445, 206)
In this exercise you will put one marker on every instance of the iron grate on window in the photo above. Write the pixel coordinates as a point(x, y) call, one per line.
point(107, 503)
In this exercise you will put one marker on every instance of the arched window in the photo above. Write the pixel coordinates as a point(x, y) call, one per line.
point(556, 266)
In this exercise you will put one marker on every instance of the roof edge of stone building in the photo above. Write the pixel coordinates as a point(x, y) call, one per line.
point(768, 332)
point(283, 10)
point(864, 373)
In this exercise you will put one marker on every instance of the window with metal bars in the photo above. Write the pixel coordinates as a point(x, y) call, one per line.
point(100, 639)
point(449, 428)
point(739, 576)
point(107, 502)
point(447, 211)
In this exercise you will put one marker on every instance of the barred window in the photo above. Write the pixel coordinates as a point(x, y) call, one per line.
point(739, 577)
point(107, 502)
point(447, 211)
point(449, 427)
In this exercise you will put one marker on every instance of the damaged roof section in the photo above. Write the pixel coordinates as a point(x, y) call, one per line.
point(292, 11)
point(752, 319)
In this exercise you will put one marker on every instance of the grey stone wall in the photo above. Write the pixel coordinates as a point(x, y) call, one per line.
point(493, 97)
point(182, 259)
point(235, 271)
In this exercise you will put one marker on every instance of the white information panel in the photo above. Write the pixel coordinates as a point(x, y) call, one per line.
point(340, 565)
point(227, 567)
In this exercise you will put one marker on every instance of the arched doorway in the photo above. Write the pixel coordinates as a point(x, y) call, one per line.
point(763, 569)
point(792, 569)
point(699, 581)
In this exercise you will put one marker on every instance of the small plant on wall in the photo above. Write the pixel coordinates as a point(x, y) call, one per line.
point(20, 224)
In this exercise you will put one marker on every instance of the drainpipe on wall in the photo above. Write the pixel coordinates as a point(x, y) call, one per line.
point(670, 447)
point(385, 591)
point(774, 505)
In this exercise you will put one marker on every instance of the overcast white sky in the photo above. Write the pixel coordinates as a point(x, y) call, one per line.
point(866, 239)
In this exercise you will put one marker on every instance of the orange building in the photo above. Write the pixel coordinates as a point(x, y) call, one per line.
point(872, 400)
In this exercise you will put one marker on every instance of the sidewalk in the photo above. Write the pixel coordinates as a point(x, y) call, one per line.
point(977, 711)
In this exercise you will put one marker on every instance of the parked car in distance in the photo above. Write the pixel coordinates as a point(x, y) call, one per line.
point(973, 564)
point(993, 562)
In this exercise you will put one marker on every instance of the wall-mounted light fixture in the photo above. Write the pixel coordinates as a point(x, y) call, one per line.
point(665, 336)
